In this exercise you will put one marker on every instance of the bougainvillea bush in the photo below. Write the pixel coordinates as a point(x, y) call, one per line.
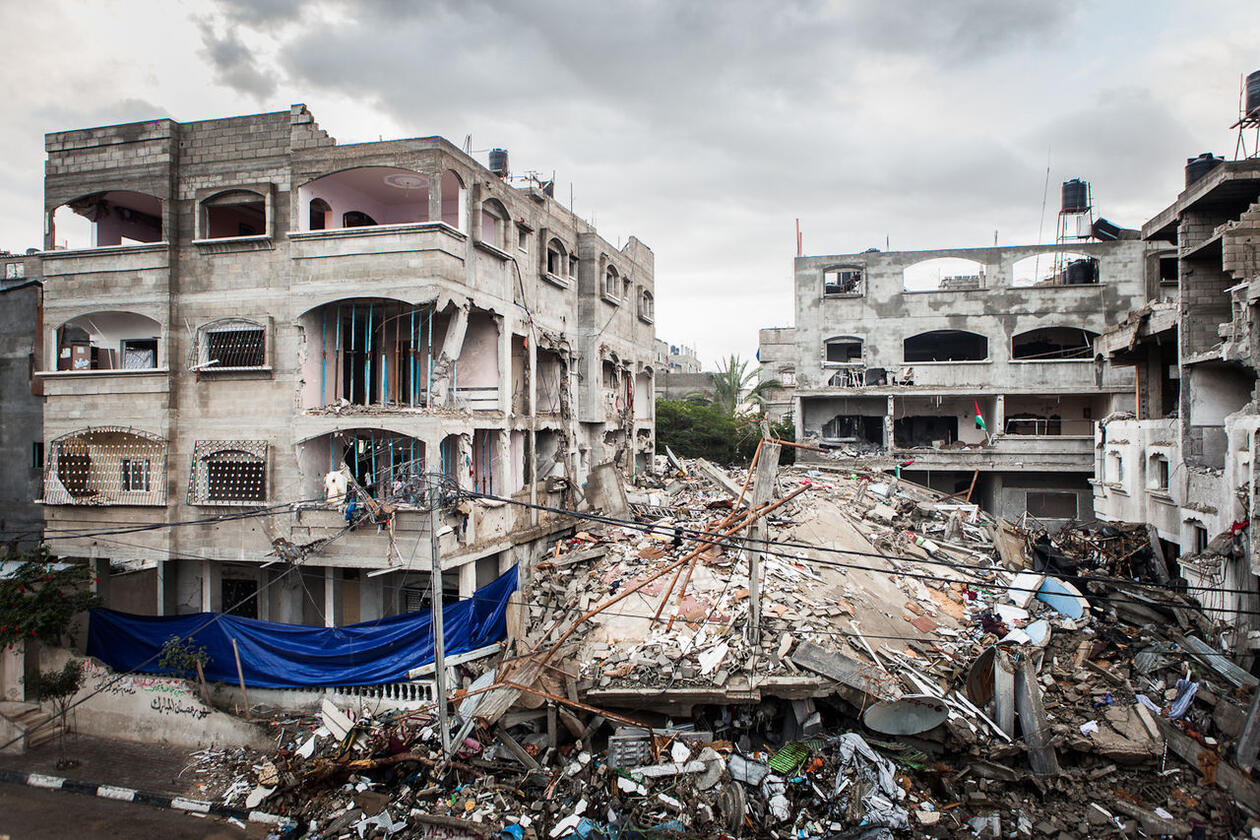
point(39, 601)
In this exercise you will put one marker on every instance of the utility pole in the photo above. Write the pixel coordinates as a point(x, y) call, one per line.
point(439, 640)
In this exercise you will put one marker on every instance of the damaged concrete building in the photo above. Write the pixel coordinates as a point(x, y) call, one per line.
point(972, 367)
point(776, 357)
point(242, 315)
point(1184, 461)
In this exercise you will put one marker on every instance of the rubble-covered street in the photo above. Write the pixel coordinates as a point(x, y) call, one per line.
point(922, 670)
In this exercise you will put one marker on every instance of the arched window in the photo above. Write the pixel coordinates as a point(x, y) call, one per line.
point(357, 218)
point(612, 283)
point(453, 199)
point(946, 346)
point(106, 465)
point(1053, 344)
point(108, 341)
point(494, 218)
point(557, 259)
point(114, 217)
point(321, 214)
point(233, 213)
point(228, 472)
point(1055, 268)
point(943, 274)
point(647, 306)
point(842, 350)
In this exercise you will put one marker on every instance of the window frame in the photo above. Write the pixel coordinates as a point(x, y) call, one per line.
point(201, 352)
point(253, 452)
point(206, 197)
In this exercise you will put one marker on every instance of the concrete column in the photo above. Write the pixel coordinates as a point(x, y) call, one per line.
point(206, 586)
point(504, 327)
point(435, 196)
point(371, 598)
point(890, 413)
point(330, 587)
point(160, 578)
point(468, 579)
point(999, 414)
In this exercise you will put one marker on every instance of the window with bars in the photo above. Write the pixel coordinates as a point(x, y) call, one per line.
point(105, 465)
point(135, 475)
point(228, 472)
point(231, 344)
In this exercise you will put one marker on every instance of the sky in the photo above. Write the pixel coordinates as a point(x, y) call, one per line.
point(704, 129)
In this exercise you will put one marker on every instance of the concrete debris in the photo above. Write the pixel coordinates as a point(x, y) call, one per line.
point(922, 670)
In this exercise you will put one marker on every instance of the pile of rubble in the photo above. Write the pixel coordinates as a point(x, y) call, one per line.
point(904, 664)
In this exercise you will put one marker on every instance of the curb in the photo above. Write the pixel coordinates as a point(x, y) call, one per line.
point(161, 800)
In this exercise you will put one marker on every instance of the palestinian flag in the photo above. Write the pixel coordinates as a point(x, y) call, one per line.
point(980, 424)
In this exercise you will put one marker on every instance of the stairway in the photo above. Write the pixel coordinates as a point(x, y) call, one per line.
point(29, 720)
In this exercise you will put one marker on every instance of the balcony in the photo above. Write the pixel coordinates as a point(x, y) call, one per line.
point(1048, 453)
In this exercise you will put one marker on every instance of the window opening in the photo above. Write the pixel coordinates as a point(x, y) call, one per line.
point(1159, 469)
point(450, 457)
point(37, 455)
point(843, 350)
point(946, 346)
point(236, 213)
point(357, 218)
point(321, 214)
point(117, 217)
point(844, 280)
point(612, 282)
point(1050, 505)
point(1053, 343)
point(229, 472)
point(233, 344)
point(943, 274)
point(925, 431)
point(106, 465)
point(240, 597)
point(139, 353)
point(483, 460)
point(1054, 269)
point(1200, 538)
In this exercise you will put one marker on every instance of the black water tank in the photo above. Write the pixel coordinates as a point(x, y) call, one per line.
point(1075, 196)
point(1253, 93)
point(1197, 167)
point(499, 162)
point(1081, 272)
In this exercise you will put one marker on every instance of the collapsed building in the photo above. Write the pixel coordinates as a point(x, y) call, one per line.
point(1184, 460)
point(776, 357)
point(973, 367)
point(241, 315)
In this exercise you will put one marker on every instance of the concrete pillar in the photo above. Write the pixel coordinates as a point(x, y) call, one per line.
point(435, 196)
point(999, 415)
point(160, 577)
point(467, 579)
point(890, 413)
point(504, 345)
point(371, 598)
point(330, 587)
point(206, 587)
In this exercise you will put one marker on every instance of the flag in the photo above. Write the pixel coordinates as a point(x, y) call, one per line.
point(980, 424)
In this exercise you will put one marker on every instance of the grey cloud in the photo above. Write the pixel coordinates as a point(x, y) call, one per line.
point(254, 12)
point(60, 117)
point(236, 65)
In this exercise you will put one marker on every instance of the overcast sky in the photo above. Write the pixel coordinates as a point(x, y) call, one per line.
point(703, 129)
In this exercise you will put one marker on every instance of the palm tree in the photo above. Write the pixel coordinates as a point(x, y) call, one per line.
point(734, 384)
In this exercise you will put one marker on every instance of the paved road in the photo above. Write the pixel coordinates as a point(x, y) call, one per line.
point(28, 813)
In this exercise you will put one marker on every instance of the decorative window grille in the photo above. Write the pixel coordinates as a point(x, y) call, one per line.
point(228, 472)
point(231, 344)
point(106, 465)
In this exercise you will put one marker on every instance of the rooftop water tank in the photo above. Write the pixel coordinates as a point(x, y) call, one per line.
point(1075, 196)
point(499, 162)
point(1252, 98)
point(1199, 166)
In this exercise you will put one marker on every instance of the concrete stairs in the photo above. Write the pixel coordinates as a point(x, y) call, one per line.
point(29, 723)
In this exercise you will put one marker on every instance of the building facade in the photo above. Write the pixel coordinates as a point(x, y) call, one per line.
point(776, 358)
point(1185, 459)
point(264, 342)
point(22, 429)
point(974, 364)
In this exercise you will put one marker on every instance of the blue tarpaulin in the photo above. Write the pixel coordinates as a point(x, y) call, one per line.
point(275, 655)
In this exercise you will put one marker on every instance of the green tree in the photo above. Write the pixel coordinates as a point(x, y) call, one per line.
point(188, 659)
point(59, 688)
point(41, 599)
point(734, 384)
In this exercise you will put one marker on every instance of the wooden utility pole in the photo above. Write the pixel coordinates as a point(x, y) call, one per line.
point(763, 491)
point(439, 640)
